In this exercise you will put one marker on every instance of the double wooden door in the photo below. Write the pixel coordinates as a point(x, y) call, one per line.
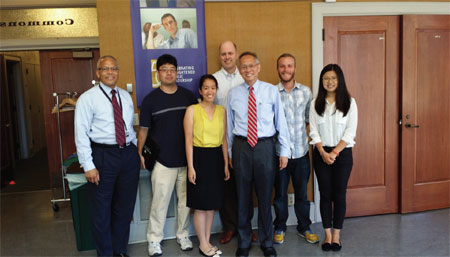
point(396, 67)
point(426, 113)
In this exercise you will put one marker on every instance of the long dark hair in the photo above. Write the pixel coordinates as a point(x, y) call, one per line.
point(342, 95)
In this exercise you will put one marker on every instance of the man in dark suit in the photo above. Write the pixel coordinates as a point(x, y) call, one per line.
point(255, 120)
point(106, 148)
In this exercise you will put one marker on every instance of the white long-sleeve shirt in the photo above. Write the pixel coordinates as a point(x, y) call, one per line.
point(226, 82)
point(333, 127)
point(94, 120)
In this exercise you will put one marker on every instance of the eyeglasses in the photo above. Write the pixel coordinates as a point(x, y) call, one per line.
point(248, 67)
point(113, 69)
point(168, 70)
point(329, 79)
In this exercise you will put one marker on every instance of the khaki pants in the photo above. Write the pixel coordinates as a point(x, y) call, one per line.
point(163, 181)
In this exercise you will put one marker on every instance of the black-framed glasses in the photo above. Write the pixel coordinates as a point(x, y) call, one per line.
point(115, 69)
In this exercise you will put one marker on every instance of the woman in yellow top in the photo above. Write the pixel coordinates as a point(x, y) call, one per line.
point(207, 158)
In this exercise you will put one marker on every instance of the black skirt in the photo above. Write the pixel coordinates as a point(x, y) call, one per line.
point(207, 193)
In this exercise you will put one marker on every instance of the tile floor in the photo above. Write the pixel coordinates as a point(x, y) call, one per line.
point(29, 227)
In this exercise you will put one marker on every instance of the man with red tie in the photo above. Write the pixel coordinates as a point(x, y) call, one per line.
point(255, 121)
point(228, 77)
point(106, 148)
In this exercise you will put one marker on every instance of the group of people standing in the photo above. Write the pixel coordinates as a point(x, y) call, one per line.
point(244, 134)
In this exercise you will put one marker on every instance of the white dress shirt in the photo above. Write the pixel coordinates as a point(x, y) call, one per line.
point(94, 120)
point(226, 82)
point(332, 127)
point(185, 38)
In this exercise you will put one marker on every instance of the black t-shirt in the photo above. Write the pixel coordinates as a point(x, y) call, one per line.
point(163, 114)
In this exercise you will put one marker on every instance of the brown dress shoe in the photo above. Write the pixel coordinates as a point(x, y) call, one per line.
point(226, 236)
point(254, 238)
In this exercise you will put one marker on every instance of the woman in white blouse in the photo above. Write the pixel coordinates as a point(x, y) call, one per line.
point(333, 120)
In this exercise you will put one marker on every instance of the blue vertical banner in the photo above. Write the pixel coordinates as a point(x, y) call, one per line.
point(175, 27)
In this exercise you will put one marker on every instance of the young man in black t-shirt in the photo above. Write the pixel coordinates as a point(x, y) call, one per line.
point(162, 113)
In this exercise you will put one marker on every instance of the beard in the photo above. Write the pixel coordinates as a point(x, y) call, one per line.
point(289, 79)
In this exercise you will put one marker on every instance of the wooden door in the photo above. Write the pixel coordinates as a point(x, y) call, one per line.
point(426, 113)
point(367, 49)
point(7, 159)
point(60, 72)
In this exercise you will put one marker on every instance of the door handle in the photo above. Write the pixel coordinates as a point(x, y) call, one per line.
point(409, 125)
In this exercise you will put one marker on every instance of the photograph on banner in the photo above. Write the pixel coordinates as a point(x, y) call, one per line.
point(166, 3)
point(169, 28)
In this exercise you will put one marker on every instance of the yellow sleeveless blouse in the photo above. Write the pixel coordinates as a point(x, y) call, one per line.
point(208, 133)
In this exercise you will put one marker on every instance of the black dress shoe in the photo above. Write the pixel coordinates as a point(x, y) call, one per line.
point(269, 251)
point(326, 247)
point(121, 255)
point(242, 252)
point(336, 247)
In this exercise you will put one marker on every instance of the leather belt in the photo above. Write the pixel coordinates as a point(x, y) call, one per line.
point(94, 144)
point(260, 139)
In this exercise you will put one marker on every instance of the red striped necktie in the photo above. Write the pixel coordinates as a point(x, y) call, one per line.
point(118, 120)
point(252, 131)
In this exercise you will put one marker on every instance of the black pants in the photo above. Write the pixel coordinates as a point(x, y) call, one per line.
point(228, 212)
point(112, 201)
point(333, 181)
point(254, 166)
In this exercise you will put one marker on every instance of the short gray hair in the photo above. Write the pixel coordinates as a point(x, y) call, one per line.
point(248, 53)
point(106, 57)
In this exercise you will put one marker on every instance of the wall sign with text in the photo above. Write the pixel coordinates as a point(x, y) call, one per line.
point(48, 23)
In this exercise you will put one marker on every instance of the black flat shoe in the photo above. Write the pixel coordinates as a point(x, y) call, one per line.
point(326, 247)
point(242, 252)
point(269, 251)
point(336, 247)
point(211, 252)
